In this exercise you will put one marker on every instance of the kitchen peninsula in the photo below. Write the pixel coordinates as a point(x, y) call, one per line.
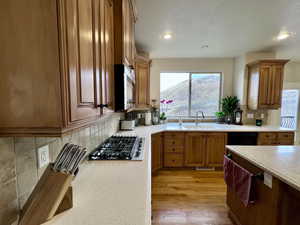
point(277, 194)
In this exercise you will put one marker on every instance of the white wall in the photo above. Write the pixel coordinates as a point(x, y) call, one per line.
point(239, 78)
point(223, 65)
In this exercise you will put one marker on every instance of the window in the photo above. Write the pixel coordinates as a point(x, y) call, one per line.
point(190, 93)
point(289, 109)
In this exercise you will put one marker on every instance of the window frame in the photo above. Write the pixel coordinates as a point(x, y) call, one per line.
point(189, 116)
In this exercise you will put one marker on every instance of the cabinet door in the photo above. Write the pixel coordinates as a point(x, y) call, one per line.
point(195, 147)
point(108, 54)
point(215, 149)
point(79, 60)
point(126, 32)
point(264, 86)
point(276, 82)
point(267, 138)
point(157, 151)
point(142, 84)
point(286, 138)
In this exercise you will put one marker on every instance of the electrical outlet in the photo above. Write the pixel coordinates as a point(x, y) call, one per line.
point(262, 116)
point(43, 156)
point(250, 115)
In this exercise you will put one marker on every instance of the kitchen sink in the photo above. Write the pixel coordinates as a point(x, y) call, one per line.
point(209, 126)
point(203, 126)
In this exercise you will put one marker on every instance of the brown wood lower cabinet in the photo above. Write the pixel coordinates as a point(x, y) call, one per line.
point(173, 149)
point(201, 149)
point(156, 151)
point(278, 205)
point(276, 138)
point(195, 148)
point(173, 160)
point(215, 149)
point(204, 149)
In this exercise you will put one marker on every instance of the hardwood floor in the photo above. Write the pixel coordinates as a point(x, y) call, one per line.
point(189, 197)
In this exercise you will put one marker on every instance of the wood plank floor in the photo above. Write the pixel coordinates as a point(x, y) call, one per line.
point(189, 197)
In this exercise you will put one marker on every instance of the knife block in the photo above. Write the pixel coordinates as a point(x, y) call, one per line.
point(52, 195)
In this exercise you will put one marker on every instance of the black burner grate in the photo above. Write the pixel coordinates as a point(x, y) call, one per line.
point(116, 148)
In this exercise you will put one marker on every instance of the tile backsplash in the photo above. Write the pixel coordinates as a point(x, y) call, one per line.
point(19, 170)
point(256, 115)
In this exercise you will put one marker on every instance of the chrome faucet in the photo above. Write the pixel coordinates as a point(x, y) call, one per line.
point(197, 117)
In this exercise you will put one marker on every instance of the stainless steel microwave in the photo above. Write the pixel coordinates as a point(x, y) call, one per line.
point(124, 87)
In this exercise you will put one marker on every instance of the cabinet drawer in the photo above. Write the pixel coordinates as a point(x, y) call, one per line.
point(174, 149)
point(174, 143)
point(285, 138)
point(267, 142)
point(173, 160)
point(174, 135)
point(272, 136)
point(286, 135)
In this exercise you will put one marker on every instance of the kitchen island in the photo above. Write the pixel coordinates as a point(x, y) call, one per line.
point(277, 194)
point(119, 192)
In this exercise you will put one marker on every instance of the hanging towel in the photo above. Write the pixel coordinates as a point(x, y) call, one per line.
point(239, 180)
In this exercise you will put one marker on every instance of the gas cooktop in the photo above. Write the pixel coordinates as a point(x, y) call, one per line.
point(119, 148)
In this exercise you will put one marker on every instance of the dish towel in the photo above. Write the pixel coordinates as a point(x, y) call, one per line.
point(239, 180)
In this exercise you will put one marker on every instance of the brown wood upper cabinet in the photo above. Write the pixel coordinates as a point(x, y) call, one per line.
point(125, 17)
point(265, 84)
point(56, 64)
point(142, 74)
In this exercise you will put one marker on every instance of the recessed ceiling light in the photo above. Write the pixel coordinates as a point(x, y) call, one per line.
point(204, 46)
point(167, 36)
point(283, 35)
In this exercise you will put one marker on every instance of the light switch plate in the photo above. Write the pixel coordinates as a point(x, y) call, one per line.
point(250, 115)
point(268, 179)
point(43, 156)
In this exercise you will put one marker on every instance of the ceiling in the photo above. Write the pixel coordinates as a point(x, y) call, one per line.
point(229, 27)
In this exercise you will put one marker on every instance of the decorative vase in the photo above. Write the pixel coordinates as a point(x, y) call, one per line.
point(229, 119)
point(163, 121)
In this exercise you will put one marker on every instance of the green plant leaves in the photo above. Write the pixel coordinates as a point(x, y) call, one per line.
point(229, 104)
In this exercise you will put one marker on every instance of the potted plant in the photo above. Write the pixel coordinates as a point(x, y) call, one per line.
point(164, 108)
point(229, 105)
point(220, 117)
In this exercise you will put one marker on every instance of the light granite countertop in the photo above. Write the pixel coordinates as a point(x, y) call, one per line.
point(215, 127)
point(283, 162)
point(119, 192)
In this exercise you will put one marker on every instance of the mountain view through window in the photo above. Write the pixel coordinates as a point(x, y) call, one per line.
point(184, 94)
